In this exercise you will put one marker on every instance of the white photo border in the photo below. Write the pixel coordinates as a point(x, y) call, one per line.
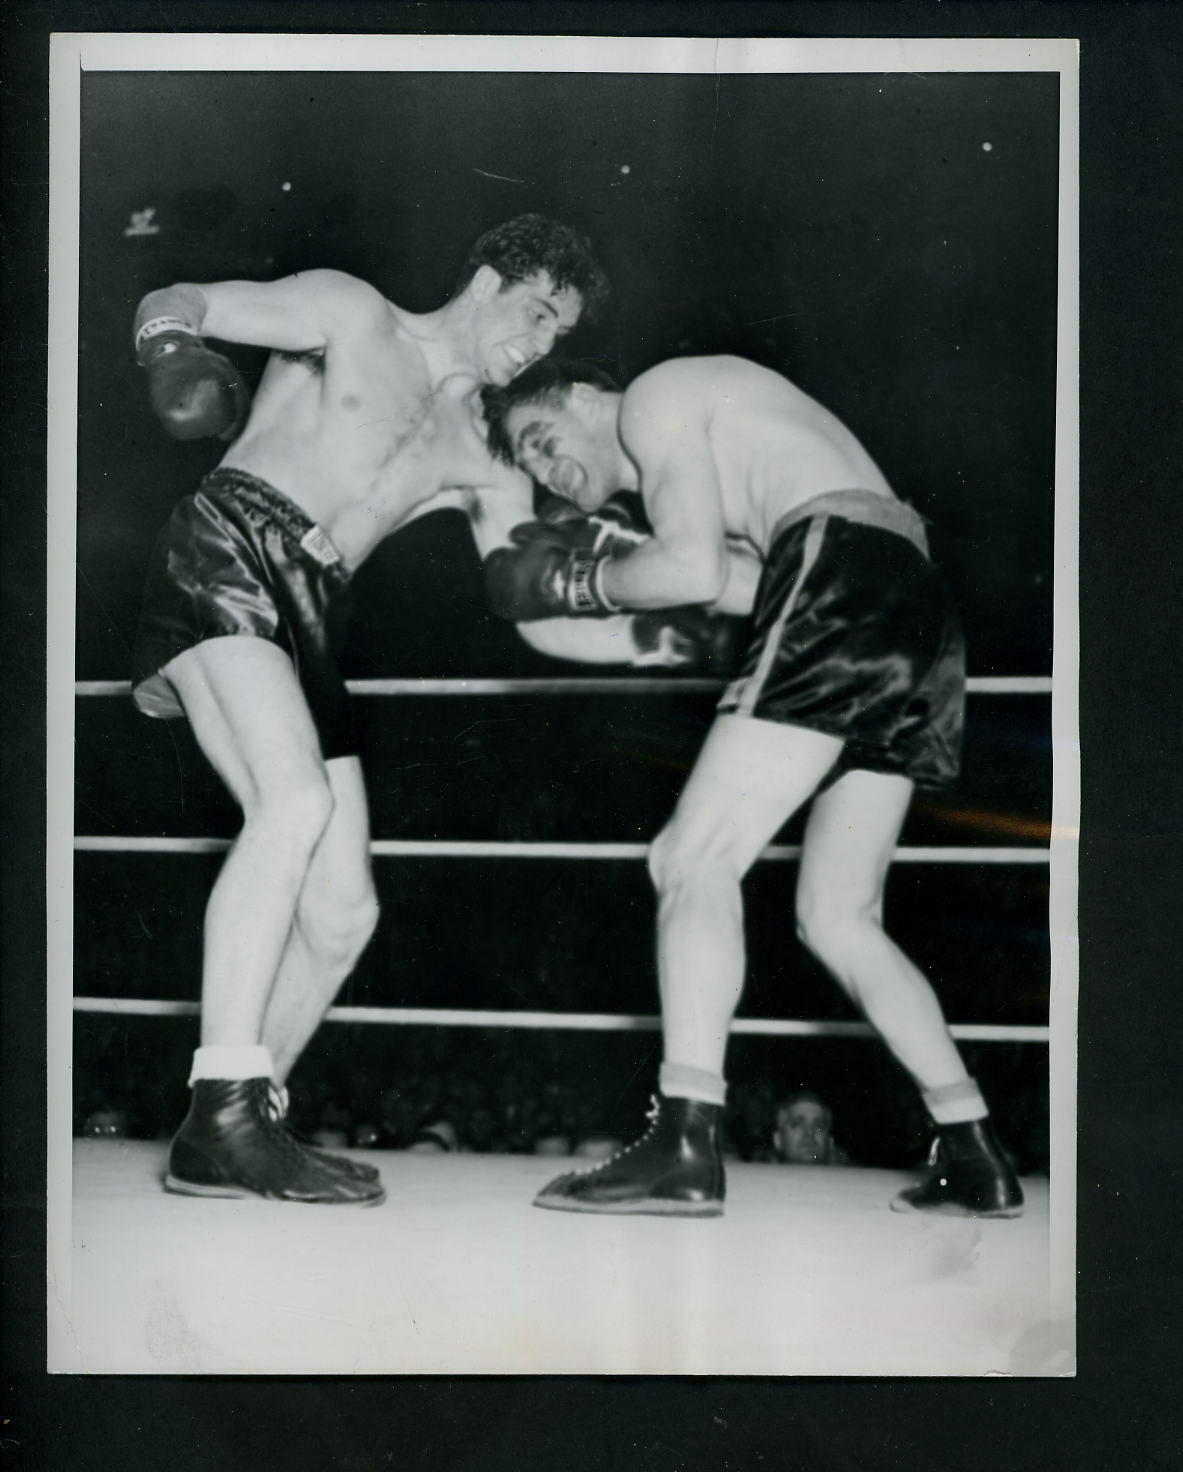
point(73, 54)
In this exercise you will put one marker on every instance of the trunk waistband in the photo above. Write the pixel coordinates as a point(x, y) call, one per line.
point(865, 507)
point(254, 495)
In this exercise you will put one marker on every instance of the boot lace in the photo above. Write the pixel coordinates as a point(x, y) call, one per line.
point(652, 1114)
point(273, 1105)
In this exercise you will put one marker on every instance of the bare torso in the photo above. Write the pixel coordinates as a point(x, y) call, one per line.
point(774, 447)
point(359, 436)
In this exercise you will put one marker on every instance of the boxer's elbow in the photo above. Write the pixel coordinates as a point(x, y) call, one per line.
point(604, 641)
point(698, 575)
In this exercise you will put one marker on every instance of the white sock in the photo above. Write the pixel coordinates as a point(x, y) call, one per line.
point(681, 1081)
point(231, 1062)
point(956, 1103)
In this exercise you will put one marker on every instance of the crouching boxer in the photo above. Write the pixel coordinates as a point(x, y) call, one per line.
point(366, 416)
point(850, 693)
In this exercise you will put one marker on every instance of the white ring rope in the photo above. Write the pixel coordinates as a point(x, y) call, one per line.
point(1002, 684)
point(591, 685)
point(583, 1021)
point(481, 849)
point(571, 1021)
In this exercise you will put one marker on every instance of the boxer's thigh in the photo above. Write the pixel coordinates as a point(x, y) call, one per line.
point(248, 713)
point(850, 840)
point(750, 778)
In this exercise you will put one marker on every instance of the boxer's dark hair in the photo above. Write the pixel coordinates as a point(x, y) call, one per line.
point(527, 244)
point(548, 381)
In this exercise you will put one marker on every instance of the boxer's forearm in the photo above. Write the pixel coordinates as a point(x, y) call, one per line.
point(586, 641)
point(651, 577)
point(657, 575)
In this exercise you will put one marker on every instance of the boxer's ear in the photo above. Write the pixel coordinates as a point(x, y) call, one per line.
point(485, 283)
point(583, 396)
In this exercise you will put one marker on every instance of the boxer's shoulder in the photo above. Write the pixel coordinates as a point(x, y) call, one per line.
point(674, 387)
point(346, 306)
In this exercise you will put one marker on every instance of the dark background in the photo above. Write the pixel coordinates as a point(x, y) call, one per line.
point(852, 231)
point(1123, 1409)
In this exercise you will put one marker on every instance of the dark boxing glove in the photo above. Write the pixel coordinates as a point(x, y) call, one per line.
point(538, 578)
point(686, 639)
point(194, 392)
point(610, 531)
point(555, 566)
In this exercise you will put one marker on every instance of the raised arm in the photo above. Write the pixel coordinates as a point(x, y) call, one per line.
point(199, 394)
point(297, 313)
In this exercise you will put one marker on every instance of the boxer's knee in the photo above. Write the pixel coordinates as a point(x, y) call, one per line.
point(833, 924)
point(291, 806)
point(666, 860)
point(682, 859)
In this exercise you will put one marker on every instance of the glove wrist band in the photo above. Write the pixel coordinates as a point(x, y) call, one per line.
point(156, 325)
point(585, 587)
point(598, 586)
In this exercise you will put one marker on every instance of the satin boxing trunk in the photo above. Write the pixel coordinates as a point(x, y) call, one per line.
point(854, 634)
point(237, 557)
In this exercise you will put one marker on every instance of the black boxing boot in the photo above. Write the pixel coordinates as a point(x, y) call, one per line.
point(674, 1169)
point(970, 1176)
point(277, 1107)
point(231, 1145)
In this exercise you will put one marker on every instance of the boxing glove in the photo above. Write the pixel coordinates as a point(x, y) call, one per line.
point(686, 639)
point(541, 577)
point(194, 392)
point(611, 531)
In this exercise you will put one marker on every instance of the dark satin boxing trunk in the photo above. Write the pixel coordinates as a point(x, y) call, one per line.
point(237, 557)
point(854, 634)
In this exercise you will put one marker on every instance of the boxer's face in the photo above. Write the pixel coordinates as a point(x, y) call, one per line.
point(519, 322)
point(567, 447)
point(803, 1133)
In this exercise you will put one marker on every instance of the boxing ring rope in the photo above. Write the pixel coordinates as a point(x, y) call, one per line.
point(442, 848)
point(969, 1032)
point(591, 685)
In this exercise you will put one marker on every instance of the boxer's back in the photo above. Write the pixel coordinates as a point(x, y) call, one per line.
point(774, 446)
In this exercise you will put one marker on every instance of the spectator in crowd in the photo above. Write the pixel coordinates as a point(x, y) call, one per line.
point(333, 1128)
point(750, 1120)
point(550, 1140)
point(105, 1124)
point(370, 1136)
point(597, 1147)
point(804, 1132)
point(438, 1137)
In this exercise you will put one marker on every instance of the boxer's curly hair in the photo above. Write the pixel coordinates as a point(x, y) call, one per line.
point(548, 381)
point(527, 244)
